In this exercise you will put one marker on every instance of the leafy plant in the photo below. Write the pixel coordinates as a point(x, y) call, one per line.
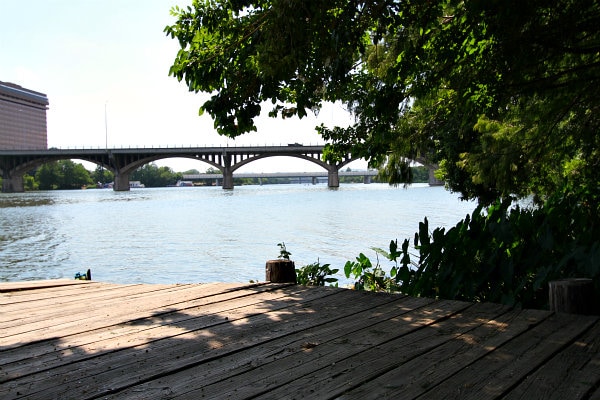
point(371, 277)
point(316, 274)
point(283, 253)
point(502, 253)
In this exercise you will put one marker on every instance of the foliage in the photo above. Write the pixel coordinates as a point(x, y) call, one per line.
point(503, 253)
point(369, 277)
point(213, 170)
point(499, 92)
point(153, 176)
point(102, 175)
point(283, 253)
point(316, 274)
point(29, 182)
point(64, 174)
point(500, 95)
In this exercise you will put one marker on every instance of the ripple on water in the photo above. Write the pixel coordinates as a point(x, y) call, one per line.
point(206, 234)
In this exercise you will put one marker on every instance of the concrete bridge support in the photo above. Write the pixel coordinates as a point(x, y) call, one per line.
point(13, 184)
point(333, 178)
point(227, 172)
point(121, 182)
point(227, 178)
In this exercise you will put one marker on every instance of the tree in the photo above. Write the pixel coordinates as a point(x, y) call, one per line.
point(48, 176)
point(29, 182)
point(73, 176)
point(64, 174)
point(498, 93)
point(213, 170)
point(501, 94)
point(153, 176)
point(102, 175)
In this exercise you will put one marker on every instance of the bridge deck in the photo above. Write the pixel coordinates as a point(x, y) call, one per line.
point(84, 340)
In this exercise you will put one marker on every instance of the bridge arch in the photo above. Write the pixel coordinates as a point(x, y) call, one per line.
point(264, 156)
point(13, 173)
point(123, 161)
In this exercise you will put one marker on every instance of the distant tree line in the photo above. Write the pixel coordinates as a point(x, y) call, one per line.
point(66, 175)
point(153, 176)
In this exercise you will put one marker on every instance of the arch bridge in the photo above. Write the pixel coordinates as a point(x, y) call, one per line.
point(122, 162)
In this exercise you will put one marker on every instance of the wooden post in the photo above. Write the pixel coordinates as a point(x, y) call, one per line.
point(573, 296)
point(280, 271)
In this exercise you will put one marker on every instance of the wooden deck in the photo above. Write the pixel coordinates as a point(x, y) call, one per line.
point(87, 340)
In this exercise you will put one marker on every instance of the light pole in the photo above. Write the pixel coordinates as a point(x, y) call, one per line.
point(105, 127)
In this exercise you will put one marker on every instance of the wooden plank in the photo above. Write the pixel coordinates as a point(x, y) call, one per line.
point(33, 299)
point(416, 376)
point(89, 302)
point(356, 366)
point(105, 313)
point(85, 341)
point(492, 376)
point(280, 341)
point(32, 295)
point(357, 316)
point(6, 287)
point(209, 335)
point(283, 376)
point(77, 301)
point(570, 374)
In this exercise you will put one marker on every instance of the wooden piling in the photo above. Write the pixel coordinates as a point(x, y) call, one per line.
point(280, 271)
point(573, 296)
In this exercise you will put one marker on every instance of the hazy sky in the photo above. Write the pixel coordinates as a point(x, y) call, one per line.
point(110, 58)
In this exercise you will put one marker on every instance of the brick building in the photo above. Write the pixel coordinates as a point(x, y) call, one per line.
point(22, 118)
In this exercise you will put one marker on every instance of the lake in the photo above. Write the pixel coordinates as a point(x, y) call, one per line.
point(207, 234)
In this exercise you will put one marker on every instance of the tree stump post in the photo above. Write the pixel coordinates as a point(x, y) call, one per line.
point(573, 296)
point(281, 271)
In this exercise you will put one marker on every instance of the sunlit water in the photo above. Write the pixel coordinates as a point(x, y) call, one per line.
point(201, 234)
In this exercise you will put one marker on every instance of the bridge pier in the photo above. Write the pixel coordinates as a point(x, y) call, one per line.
point(227, 172)
point(227, 179)
point(13, 184)
point(333, 178)
point(121, 182)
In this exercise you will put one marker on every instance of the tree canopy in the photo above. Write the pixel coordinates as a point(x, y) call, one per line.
point(503, 95)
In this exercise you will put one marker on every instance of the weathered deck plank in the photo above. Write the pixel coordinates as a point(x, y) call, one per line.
point(142, 326)
point(92, 313)
point(570, 374)
point(493, 375)
point(13, 287)
point(419, 374)
point(305, 371)
point(283, 341)
point(122, 363)
point(357, 316)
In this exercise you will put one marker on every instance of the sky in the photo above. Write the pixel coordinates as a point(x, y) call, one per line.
point(104, 65)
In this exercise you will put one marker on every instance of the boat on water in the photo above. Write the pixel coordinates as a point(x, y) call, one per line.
point(136, 185)
point(184, 184)
point(110, 185)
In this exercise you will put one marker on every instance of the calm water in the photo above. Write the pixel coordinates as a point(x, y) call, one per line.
point(171, 235)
